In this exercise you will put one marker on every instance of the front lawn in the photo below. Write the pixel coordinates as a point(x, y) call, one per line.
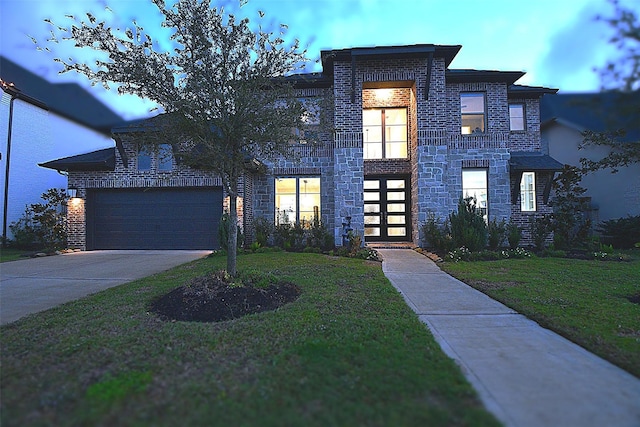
point(593, 303)
point(10, 254)
point(347, 352)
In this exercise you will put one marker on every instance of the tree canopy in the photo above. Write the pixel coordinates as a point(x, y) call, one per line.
point(620, 74)
point(221, 84)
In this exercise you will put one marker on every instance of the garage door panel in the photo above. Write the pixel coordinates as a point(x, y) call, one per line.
point(153, 219)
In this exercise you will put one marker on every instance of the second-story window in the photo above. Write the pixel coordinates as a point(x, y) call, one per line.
point(144, 158)
point(384, 133)
point(516, 116)
point(472, 108)
point(165, 158)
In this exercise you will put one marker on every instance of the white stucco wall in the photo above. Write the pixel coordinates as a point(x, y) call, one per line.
point(616, 194)
point(37, 137)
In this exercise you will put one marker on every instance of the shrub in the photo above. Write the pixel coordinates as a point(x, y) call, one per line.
point(497, 231)
point(514, 235)
point(318, 236)
point(436, 236)
point(468, 228)
point(570, 223)
point(43, 225)
point(263, 228)
point(540, 228)
point(622, 233)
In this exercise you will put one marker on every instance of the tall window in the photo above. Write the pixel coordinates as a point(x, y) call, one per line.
point(516, 116)
point(472, 108)
point(474, 184)
point(528, 192)
point(385, 133)
point(144, 158)
point(165, 158)
point(297, 200)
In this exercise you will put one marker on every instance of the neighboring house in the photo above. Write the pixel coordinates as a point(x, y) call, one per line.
point(411, 136)
point(563, 119)
point(39, 121)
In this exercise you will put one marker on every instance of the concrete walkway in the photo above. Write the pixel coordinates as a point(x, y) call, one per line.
point(524, 374)
point(32, 285)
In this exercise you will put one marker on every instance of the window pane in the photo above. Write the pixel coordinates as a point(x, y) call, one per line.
point(395, 116)
point(371, 208)
point(474, 184)
point(373, 151)
point(472, 123)
point(144, 159)
point(396, 150)
point(371, 184)
point(396, 134)
point(372, 231)
point(372, 134)
point(395, 195)
point(516, 116)
point(165, 157)
point(371, 117)
point(528, 192)
point(397, 231)
point(371, 196)
point(396, 219)
point(395, 184)
point(472, 102)
point(395, 207)
point(371, 219)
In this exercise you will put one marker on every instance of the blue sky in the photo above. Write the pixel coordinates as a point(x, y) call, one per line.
point(557, 42)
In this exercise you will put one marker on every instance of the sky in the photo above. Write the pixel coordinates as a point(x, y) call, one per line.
point(558, 43)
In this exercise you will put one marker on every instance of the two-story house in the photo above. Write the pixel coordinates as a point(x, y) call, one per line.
point(411, 136)
point(40, 120)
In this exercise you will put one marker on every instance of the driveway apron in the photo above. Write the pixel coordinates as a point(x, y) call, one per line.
point(32, 285)
point(524, 374)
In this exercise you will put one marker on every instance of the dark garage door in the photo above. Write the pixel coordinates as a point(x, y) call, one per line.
point(153, 218)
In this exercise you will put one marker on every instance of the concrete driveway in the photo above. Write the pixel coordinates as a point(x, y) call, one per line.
point(32, 285)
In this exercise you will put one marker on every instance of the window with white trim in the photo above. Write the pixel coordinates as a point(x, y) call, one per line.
point(516, 117)
point(473, 112)
point(297, 200)
point(474, 184)
point(528, 192)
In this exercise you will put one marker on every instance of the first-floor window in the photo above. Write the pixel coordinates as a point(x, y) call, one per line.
point(165, 158)
point(144, 158)
point(474, 184)
point(297, 200)
point(528, 192)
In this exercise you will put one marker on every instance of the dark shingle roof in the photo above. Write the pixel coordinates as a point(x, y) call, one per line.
point(468, 75)
point(66, 99)
point(522, 91)
point(533, 161)
point(100, 160)
point(599, 112)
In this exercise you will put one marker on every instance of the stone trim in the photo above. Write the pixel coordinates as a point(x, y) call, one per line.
point(296, 171)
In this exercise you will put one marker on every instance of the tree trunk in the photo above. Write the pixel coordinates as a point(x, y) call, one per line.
point(232, 245)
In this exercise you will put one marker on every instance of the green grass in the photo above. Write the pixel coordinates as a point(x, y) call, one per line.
point(10, 254)
point(347, 352)
point(585, 301)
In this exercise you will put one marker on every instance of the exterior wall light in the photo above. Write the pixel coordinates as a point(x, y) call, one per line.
point(72, 192)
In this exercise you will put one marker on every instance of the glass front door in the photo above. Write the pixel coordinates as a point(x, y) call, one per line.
point(386, 209)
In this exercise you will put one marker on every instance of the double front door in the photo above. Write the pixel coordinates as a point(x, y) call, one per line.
point(387, 209)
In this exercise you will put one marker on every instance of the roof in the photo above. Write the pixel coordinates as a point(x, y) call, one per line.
point(521, 91)
point(468, 75)
point(599, 112)
point(448, 52)
point(100, 160)
point(69, 100)
point(533, 161)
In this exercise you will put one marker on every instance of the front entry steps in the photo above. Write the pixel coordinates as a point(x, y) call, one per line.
point(390, 245)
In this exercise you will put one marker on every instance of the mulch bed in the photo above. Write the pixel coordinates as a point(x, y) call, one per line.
point(223, 302)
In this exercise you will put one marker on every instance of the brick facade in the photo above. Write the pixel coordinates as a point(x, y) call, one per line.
point(437, 151)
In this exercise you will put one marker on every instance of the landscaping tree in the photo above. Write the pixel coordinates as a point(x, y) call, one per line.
point(622, 75)
point(221, 84)
point(569, 224)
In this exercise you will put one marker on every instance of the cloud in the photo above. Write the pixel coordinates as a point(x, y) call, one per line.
point(574, 51)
